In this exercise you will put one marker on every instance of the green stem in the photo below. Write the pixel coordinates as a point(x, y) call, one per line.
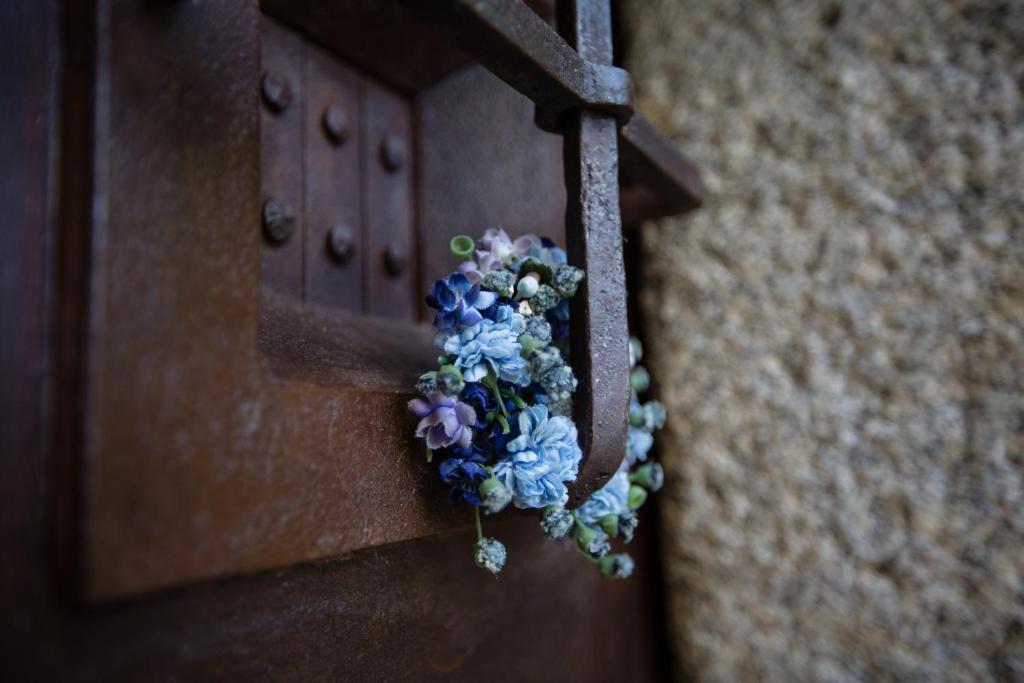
point(505, 429)
point(479, 526)
point(492, 383)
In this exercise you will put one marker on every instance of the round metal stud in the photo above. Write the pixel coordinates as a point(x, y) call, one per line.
point(395, 261)
point(341, 243)
point(277, 91)
point(392, 153)
point(278, 221)
point(335, 123)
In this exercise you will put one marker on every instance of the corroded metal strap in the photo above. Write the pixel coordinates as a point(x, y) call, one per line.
point(600, 354)
point(515, 44)
point(571, 80)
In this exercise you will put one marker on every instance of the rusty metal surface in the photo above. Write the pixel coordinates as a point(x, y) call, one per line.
point(519, 47)
point(389, 238)
point(333, 183)
point(281, 150)
point(376, 36)
point(29, 110)
point(410, 611)
point(416, 611)
point(648, 159)
point(199, 460)
point(483, 164)
point(599, 340)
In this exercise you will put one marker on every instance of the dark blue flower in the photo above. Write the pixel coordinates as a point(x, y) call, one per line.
point(499, 439)
point(482, 401)
point(464, 472)
point(458, 302)
point(558, 318)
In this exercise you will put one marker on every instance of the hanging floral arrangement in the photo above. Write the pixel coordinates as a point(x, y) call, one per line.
point(496, 416)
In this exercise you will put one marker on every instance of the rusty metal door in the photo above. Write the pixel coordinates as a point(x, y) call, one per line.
point(222, 219)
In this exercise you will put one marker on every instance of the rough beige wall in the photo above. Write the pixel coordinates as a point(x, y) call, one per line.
point(839, 336)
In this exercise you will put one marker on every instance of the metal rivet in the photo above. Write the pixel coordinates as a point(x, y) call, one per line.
point(394, 260)
point(277, 92)
point(341, 243)
point(335, 122)
point(278, 221)
point(392, 152)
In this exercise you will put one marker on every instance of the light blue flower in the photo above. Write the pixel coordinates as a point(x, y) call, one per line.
point(611, 499)
point(540, 460)
point(491, 345)
point(638, 442)
point(545, 250)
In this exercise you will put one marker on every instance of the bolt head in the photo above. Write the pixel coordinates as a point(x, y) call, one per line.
point(395, 261)
point(392, 153)
point(277, 91)
point(335, 123)
point(341, 243)
point(278, 221)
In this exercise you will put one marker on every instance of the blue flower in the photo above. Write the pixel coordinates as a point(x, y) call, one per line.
point(464, 472)
point(491, 345)
point(611, 499)
point(482, 400)
point(540, 460)
point(458, 301)
point(638, 442)
point(545, 250)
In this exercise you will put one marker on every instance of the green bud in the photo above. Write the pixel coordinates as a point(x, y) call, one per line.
point(443, 360)
point(628, 522)
point(616, 566)
point(449, 380)
point(637, 496)
point(494, 495)
point(610, 524)
point(650, 476)
point(462, 247)
point(636, 416)
point(639, 379)
point(529, 345)
point(636, 351)
point(592, 542)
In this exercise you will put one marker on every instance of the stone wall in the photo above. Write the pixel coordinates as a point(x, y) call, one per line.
point(839, 336)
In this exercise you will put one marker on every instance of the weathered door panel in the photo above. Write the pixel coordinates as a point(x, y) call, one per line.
point(234, 457)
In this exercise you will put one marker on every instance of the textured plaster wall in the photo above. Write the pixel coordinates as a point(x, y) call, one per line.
point(839, 336)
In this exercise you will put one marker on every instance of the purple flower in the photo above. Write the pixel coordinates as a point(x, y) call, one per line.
point(471, 271)
point(496, 247)
point(458, 302)
point(445, 421)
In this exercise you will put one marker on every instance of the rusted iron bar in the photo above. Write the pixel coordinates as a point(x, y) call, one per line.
point(600, 354)
point(647, 158)
point(515, 44)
